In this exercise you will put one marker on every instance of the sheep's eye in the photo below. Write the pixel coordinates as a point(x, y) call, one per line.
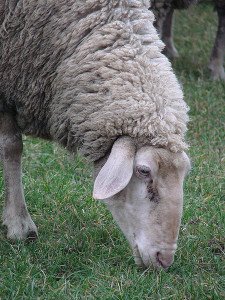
point(143, 172)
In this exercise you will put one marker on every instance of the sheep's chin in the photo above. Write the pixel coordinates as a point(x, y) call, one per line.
point(137, 258)
point(139, 261)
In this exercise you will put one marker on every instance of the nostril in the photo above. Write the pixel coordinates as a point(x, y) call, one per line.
point(164, 260)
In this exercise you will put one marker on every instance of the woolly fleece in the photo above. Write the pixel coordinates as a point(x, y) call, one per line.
point(84, 73)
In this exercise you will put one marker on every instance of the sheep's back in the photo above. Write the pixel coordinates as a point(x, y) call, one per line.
point(35, 37)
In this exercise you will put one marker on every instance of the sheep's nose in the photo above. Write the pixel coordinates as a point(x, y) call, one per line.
point(165, 259)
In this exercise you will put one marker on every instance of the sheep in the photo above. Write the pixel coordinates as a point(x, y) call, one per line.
point(218, 51)
point(164, 11)
point(90, 76)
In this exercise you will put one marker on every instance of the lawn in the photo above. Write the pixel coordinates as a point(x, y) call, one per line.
point(80, 252)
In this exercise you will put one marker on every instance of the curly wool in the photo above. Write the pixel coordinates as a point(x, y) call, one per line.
point(84, 73)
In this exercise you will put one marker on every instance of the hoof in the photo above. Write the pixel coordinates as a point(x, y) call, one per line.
point(31, 236)
point(217, 71)
point(20, 228)
point(218, 76)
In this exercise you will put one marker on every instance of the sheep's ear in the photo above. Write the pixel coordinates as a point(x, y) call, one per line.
point(117, 171)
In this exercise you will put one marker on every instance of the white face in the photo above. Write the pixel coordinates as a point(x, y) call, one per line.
point(144, 192)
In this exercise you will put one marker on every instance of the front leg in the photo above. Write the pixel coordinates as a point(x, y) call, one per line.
point(218, 52)
point(167, 35)
point(15, 216)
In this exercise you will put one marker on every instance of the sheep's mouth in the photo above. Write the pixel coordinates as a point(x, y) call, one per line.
point(140, 263)
point(159, 263)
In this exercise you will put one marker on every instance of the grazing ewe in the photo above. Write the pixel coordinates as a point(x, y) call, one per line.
point(90, 75)
point(164, 11)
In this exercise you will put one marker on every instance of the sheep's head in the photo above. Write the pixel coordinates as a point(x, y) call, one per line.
point(143, 189)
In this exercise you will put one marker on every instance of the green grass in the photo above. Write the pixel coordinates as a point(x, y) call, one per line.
point(80, 253)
